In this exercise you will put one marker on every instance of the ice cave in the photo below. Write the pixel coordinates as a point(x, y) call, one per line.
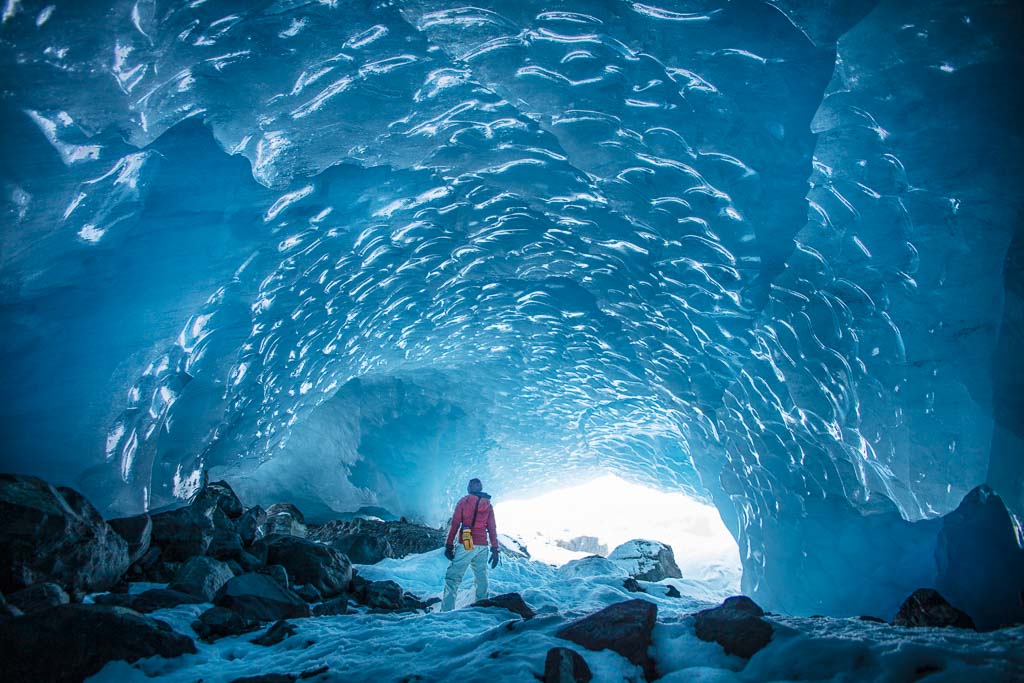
point(765, 256)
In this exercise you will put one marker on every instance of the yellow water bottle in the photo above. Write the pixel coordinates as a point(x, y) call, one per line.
point(467, 539)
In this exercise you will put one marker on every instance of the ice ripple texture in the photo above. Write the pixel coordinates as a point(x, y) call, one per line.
point(349, 252)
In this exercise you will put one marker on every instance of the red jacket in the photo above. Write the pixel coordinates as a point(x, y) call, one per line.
point(463, 516)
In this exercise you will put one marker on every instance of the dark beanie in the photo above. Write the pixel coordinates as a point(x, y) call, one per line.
point(475, 486)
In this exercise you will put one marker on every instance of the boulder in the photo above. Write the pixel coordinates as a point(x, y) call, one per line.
point(310, 563)
point(363, 548)
point(38, 597)
point(382, 595)
point(736, 625)
point(114, 599)
point(217, 495)
point(161, 598)
point(308, 593)
point(259, 597)
point(979, 561)
point(277, 573)
point(589, 567)
point(563, 665)
point(202, 577)
point(136, 531)
point(249, 524)
point(646, 560)
point(371, 537)
point(219, 622)
point(54, 535)
point(225, 545)
point(69, 643)
point(513, 602)
point(672, 592)
point(284, 519)
point(333, 607)
point(277, 632)
point(632, 585)
point(584, 544)
point(182, 533)
point(927, 607)
point(624, 627)
point(8, 611)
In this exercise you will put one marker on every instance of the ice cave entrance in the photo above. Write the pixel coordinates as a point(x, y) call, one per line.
point(597, 516)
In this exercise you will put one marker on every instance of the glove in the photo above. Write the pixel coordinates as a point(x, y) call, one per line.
point(494, 556)
point(449, 552)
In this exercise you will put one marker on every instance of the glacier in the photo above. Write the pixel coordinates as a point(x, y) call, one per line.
point(766, 253)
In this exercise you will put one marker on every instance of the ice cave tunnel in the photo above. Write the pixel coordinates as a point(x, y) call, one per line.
point(766, 253)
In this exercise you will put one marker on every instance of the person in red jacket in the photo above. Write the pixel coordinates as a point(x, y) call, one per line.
point(473, 522)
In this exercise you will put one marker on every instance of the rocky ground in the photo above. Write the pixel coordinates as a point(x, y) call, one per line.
point(215, 591)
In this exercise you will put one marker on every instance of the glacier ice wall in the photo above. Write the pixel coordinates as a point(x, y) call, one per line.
point(347, 253)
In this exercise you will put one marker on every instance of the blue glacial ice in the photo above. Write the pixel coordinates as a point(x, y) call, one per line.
point(767, 253)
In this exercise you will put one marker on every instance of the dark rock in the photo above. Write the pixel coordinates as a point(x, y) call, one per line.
point(72, 642)
point(624, 627)
point(563, 665)
point(248, 525)
point(8, 611)
point(161, 598)
point(285, 519)
point(219, 622)
point(632, 585)
point(980, 564)
point(513, 602)
point(872, 619)
point(181, 534)
point(218, 495)
point(136, 531)
point(225, 545)
point(673, 592)
point(584, 544)
point(249, 562)
point(363, 548)
point(202, 577)
point(382, 595)
point(114, 599)
point(277, 573)
point(736, 625)
point(310, 563)
point(927, 607)
point(259, 597)
point(647, 560)
point(38, 597)
point(54, 535)
point(333, 607)
point(315, 671)
point(267, 678)
point(403, 538)
point(277, 632)
point(308, 593)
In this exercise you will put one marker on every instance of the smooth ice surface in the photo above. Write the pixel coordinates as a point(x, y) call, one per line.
point(352, 253)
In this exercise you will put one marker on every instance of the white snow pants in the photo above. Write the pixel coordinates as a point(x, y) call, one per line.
point(464, 559)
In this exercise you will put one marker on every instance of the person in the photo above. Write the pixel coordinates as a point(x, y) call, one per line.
point(473, 518)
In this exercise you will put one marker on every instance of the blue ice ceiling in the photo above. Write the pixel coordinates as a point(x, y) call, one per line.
point(348, 253)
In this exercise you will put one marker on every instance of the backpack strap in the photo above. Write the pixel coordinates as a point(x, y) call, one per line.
point(475, 510)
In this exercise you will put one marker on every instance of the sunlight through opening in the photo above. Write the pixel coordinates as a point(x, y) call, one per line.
point(596, 517)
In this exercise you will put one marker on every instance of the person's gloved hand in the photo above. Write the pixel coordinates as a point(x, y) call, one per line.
point(449, 552)
point(494, 556)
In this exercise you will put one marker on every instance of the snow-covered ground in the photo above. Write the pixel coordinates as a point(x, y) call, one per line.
point(492, 645)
